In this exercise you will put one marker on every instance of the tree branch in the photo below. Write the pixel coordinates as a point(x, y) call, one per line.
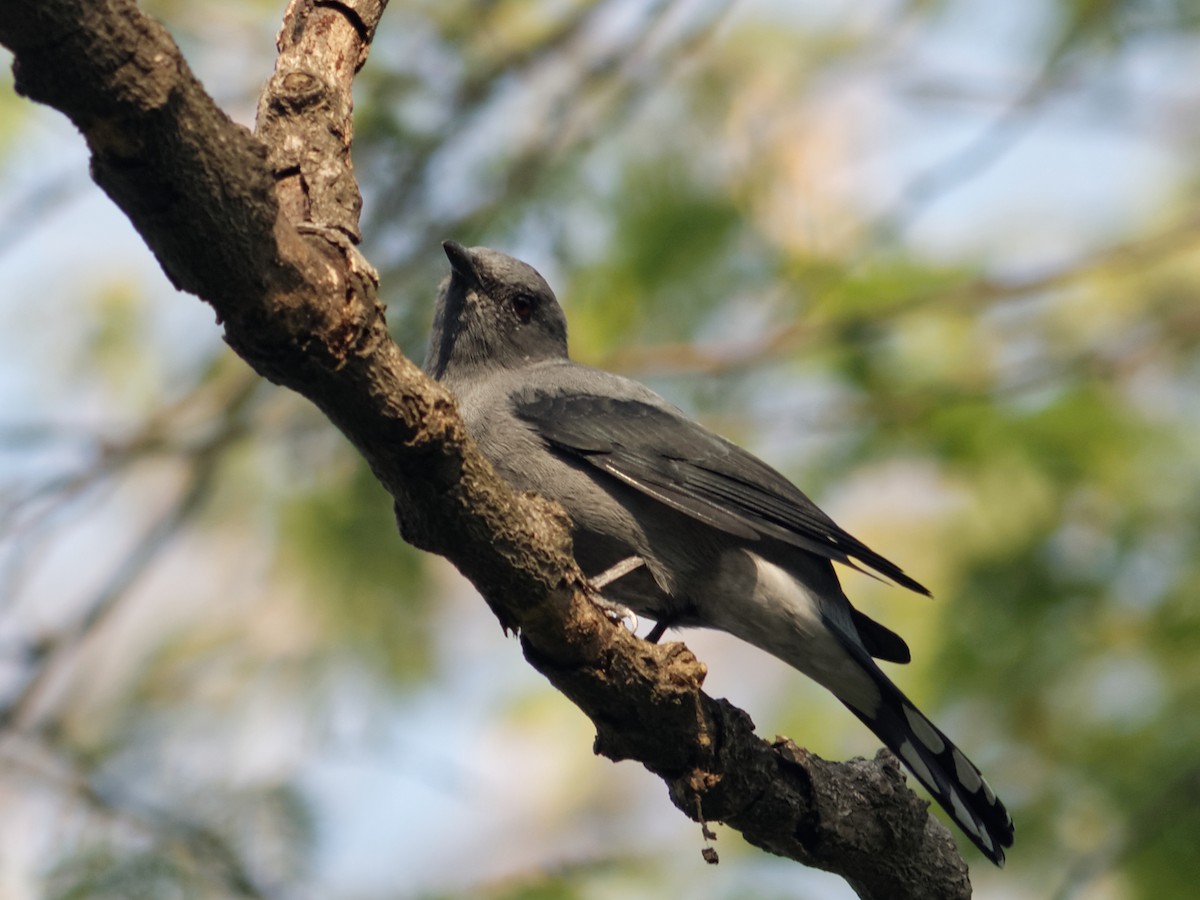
point(1129, 257)
point(225, 215)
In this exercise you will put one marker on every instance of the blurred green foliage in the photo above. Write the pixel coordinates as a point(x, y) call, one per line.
point(682, 182)
point(372, 592)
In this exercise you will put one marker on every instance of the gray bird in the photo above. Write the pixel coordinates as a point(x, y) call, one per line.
point(691, 529)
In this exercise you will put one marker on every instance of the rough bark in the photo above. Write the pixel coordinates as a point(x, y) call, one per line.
point(230, 217)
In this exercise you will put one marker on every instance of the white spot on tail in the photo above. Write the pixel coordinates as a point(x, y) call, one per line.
point(965, 820)
point(967, 773)
point(913, 760)
point(923, 730)
point(781, 615)
point(986, 840)
point(987, 792)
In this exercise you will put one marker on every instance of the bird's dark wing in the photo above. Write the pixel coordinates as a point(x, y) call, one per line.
point(664, 454)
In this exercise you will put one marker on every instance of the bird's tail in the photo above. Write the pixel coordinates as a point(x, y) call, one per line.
point(941, 767)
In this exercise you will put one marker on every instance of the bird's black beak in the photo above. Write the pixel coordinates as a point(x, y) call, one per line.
point(461, 261)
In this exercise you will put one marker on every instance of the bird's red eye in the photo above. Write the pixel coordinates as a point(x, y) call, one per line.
point(522, 305)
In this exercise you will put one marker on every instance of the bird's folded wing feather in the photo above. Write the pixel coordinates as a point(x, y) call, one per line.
point(662, 453)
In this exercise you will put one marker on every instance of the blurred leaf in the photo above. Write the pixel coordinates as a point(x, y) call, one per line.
point(368, 587)
point(665, 272)
point(100, 875)
point(1043, 440)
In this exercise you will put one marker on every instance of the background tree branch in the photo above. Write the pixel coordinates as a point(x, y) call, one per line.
point(224, 213)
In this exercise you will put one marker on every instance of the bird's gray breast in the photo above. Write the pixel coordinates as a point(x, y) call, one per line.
point(611, 521)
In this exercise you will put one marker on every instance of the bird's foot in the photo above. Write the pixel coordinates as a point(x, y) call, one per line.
point(620, 570)
point(617, 612)
point(659, 629)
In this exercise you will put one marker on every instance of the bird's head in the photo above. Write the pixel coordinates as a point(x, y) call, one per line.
point(492, 312)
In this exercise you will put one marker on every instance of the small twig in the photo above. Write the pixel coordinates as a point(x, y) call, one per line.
point(199, 844)
point(1119, 259)
point(26, 516)
point(56, 653)
point(990, 145)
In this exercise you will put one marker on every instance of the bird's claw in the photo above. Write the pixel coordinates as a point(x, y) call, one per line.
point(616, 612)
point(612, 573)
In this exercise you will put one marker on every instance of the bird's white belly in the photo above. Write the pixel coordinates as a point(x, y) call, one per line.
point(766, 606)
